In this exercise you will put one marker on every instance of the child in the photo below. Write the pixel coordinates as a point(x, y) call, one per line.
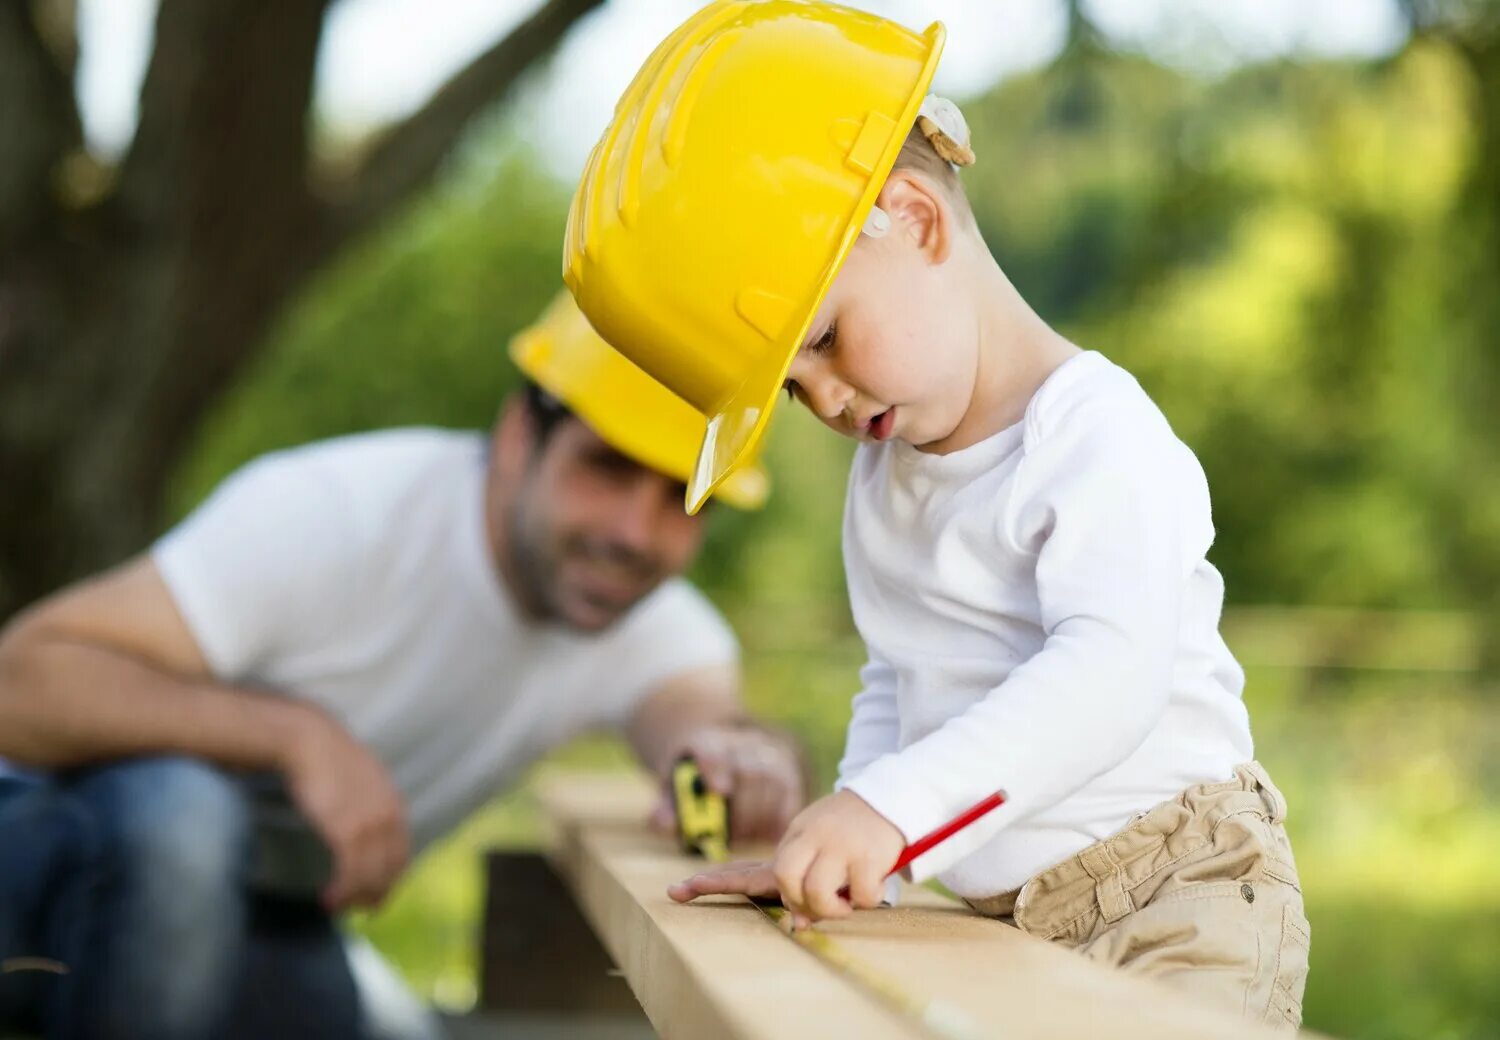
point(776, 205)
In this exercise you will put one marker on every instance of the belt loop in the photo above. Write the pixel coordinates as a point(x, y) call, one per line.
point(1109, 882)
point(1273, 797)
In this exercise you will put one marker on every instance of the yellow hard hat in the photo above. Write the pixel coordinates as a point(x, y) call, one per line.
point(728, 189)
point(636, 415)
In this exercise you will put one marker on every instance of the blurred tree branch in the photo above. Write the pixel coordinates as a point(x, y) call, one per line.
point(224, 102)
point(131, 298)
point(409, 154)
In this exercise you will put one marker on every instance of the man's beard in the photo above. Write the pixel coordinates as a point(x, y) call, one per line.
point(537, 563)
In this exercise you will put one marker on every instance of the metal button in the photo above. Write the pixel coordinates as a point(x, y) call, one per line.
point(1247, 892)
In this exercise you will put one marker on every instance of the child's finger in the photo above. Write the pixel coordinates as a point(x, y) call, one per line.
point(866, 885)
point(687, 890)
point(752, 879)
point(792, 861)
point(821, 888)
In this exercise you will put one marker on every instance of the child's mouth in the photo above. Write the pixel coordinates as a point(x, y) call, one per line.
point(882, 424)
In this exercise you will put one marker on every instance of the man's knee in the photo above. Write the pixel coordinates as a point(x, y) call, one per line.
point(51, 833)
point(177, 820)
point(159, 933)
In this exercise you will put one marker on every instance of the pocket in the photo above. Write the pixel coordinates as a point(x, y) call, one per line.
point(1205, 941)
point(1285, 1008)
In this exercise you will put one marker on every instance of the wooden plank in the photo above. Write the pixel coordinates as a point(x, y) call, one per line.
point(698, 971)
point(538, 953)
point(721, 969)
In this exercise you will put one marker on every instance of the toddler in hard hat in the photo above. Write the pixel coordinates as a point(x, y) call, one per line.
point(777, 206)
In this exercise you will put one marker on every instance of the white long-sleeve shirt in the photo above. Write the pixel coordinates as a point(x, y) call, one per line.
point(1040, 619)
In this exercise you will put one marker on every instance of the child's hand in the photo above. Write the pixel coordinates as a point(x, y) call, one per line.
point(838, 840)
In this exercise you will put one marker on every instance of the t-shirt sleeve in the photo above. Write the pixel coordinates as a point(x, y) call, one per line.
point(674, 631)
point(265, 566)
point(1115, 511)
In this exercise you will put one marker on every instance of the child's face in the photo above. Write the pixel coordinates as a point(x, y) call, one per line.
point(893, 351)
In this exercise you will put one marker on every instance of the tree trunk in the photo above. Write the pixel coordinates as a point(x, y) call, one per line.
point(131, 299)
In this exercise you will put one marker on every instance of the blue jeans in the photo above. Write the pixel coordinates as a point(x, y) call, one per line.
point(133, 876)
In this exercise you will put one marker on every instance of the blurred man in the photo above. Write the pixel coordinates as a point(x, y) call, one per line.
point(382, 630)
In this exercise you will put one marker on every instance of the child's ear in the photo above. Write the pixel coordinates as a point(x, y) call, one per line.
point(919, 212)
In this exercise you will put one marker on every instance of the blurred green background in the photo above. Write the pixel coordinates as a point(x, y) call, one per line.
point(1298, 260)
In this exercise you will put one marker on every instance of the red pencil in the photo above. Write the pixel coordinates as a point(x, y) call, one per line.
point(941, 834)
point(947, 830)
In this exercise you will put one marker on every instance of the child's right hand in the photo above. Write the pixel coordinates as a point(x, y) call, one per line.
point(753, 878)
point(840, 835)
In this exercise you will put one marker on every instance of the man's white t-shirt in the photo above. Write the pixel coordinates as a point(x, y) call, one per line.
point(356, 573)
point(1041, 618)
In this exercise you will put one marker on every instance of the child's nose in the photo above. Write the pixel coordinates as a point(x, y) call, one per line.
point(828, 396)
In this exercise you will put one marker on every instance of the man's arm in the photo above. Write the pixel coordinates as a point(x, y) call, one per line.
point(699, 713)
point(108, 669)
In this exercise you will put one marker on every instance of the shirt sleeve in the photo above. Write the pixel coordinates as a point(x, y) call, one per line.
point(875, 725)
point(265, 566)
point(1115, 511)
point(674, 631)
point(874, 731)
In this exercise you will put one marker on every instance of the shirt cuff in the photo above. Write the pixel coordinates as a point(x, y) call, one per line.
point(892, 896)
point(889, 788)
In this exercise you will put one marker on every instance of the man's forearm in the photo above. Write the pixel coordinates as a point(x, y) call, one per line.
point(68, 703)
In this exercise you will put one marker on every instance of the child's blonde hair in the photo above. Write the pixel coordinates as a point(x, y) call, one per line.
point(936, 146)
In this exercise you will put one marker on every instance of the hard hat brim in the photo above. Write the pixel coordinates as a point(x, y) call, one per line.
point(737, 427)
point(642, 438)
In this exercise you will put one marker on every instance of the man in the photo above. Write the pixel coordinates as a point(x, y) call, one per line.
point(393, 625)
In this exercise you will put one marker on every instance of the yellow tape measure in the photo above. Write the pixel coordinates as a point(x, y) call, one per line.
point(702, 814)
point(703, 829)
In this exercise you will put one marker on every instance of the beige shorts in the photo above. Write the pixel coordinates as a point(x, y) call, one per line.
point(1201, 892)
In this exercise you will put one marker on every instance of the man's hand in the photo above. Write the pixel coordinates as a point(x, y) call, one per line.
point(109, 669)
point(757, 770)
point(838, 840)
point(348, 796)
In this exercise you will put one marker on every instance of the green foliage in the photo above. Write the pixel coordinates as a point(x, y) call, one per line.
point(1273, 255)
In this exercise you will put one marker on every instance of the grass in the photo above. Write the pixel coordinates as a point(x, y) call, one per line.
point(1395, 820)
